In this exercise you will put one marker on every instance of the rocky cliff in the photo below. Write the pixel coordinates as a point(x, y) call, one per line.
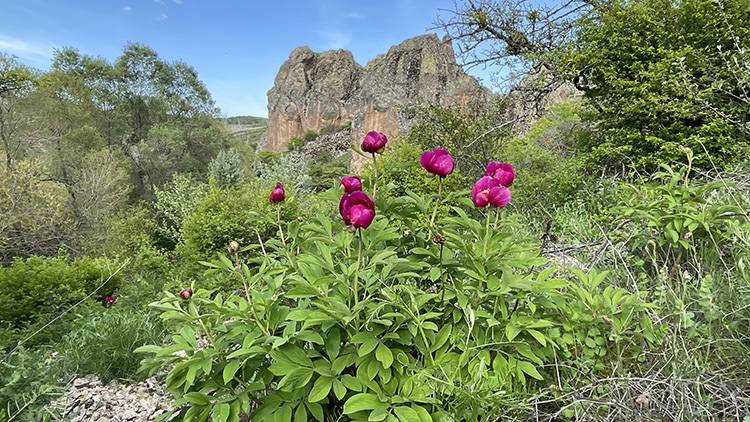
point(315, 90)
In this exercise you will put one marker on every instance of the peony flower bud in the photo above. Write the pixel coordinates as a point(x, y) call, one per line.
point(357, 209)
point(488, 191)
point(503, 172)
point(233, 247)
point(277, 194)
point(186, 293)
point(374, 142)
point(351, 183)
point(438, 161)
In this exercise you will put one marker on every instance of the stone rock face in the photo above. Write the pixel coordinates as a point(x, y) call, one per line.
point(315, 90)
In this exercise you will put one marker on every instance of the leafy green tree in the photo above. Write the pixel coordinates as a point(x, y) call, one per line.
point(158, 113)
point(660, 75)
point(16, 81)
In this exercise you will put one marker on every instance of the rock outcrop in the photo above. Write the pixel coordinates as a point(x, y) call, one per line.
point(315, 90)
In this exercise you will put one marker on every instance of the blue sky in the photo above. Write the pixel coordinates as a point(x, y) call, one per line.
point(236, 46)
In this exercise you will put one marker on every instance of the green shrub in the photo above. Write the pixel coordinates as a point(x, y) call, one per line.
point(226, 169)
point(295, 143)
point(174, 203)
point(36, 215)
point(41, 286)
point(376, 325)
point(310, 136)
point(29, 380)
point(671, 217)
point(242, 213)
point(102, 343)
point(326, 171)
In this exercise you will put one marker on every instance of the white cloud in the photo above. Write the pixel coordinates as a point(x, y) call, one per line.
point(162, 17)
point(355, 15)
point(127, 9)
point(177, 1)
point(25, 49)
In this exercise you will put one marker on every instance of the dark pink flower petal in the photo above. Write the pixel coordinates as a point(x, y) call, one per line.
point(438, 161)
point(277, 194)
point(186, 293)
point(351, 183)
point(480, 193)
point(499, 196)
point(357, 209)
point(374, 141)
point(361, 216)
point(503, 172)
point(343, 209)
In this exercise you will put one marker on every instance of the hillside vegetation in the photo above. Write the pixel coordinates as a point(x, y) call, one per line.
point(593, 267)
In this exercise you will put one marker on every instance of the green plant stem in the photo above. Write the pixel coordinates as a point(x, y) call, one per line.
point(248, 296)
point(437, 202)
point(486, 231)
point(377, 176)
point(442, 282)
point(359, 267)
point(278, 222)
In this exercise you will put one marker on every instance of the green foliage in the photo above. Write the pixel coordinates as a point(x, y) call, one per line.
point(34, 216)
point(39, 286)
point(547, 172)
point(326, 171)
point(310, 136)
point(472, 135)
point(226, 168)
point(28, 381)
point(660, 75)
point(174, 203)
point(242, 213)
point(381, 326)
point(673, 215)
point(247, 120)
point(295, 143)
point(103, 343)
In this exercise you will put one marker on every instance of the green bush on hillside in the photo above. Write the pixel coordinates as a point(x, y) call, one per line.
point(40, 286)
point(242, 213)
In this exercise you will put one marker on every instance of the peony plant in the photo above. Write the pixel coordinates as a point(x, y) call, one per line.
point(353, 320)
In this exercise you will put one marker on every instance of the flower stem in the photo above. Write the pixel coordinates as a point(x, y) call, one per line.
point(377, 176)
point(278, 222)
point(359, 267)
point(437, 202)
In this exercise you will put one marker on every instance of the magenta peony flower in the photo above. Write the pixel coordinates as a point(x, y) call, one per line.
point(438, 161)
point(186, 293)
point(503, 172)
point(374, 142)
point(351, 183)
point(277, 194)
point(488, 191)
point(357, 209)
point(110, 299)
